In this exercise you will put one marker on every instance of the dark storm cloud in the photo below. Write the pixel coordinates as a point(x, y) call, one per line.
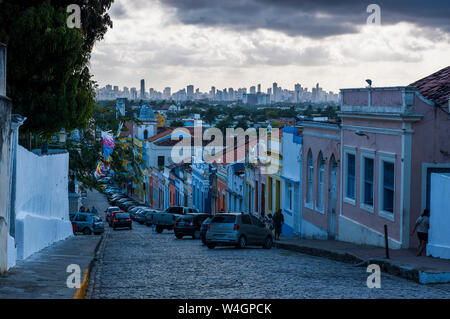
point(310, 18)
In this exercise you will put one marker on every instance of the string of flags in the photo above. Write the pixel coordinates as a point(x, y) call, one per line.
point(108, 148)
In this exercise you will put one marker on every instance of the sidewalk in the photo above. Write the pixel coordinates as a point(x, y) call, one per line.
point(43, 275)
point(402, 262)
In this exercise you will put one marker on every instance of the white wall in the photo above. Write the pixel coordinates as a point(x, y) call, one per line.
point(42, 204)
point(439, 234)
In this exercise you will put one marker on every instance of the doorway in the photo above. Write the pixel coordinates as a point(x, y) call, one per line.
point(332, 199)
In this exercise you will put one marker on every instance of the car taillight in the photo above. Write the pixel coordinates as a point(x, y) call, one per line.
point(129, 219)
point(115, 220)
point(236, 227)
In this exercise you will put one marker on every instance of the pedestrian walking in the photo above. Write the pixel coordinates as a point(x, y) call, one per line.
point(422, 226)
point(94, 210)
point(278, 220)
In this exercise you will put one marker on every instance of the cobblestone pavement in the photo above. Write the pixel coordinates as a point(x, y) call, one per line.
point(143, 264)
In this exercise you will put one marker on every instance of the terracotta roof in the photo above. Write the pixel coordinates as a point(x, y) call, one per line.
point(435, 87)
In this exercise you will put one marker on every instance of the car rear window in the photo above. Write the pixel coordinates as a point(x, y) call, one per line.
point(122, 215)
point(224, 219)
point(175, 210)
point(187, 218)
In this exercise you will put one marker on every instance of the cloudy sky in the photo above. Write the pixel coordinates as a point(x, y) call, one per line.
point(240, 43)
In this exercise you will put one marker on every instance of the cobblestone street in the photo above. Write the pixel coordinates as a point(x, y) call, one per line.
point(143, 264)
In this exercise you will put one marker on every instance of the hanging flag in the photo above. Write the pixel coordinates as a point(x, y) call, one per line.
point(108, 145)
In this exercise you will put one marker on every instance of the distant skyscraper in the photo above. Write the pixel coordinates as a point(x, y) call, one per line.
point(142, 89)
point(213, 93)
point(275, 91)
point(252, 90)
point(133, 93)
point(259, 88)
point(190, 92)
point(167, 93)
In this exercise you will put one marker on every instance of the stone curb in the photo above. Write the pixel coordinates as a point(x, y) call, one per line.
point(81, 292)
point(387, 266)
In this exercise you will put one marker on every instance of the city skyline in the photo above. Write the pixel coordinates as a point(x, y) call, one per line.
point(248, 95)
point(175, 43)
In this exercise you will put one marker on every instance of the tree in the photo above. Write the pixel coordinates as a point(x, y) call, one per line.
point(48, 76)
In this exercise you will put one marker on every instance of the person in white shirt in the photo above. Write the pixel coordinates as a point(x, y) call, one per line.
point(422, 226)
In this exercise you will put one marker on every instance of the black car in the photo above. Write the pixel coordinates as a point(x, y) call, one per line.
point(204, 229)
point(121, 220)
point(189, 225)
point(108, 212)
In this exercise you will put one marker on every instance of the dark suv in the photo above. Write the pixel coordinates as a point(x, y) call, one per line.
point(189, 225)
point(121, 220)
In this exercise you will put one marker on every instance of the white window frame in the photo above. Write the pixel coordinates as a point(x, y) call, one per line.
point(349, 150)
point(370, 154)
point(309, 201)
point(320, 185)
point(289, 196)
point(389, 158)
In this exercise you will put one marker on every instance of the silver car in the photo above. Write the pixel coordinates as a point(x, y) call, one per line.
point(237, 229)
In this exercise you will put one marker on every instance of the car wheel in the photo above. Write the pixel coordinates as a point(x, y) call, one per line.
point(148, 225)
point(131, 227)
point(242, 242)
point(211, 246)
point(268, 243)
point(159, 229)
point(196, 234)
point(141, 222)
point(87, 231)
point(179, 236)
point(114, 227)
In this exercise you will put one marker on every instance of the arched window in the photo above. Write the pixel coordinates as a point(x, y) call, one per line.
point(145, 134)
point(320, 177)
point(310, 173)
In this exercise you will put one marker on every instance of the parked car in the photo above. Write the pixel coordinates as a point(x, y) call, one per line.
point(166, 219)
point(238, 229)
point(87, 224)
point(189, 225)
point(149, 216)
point(204, 229)
point(121, 220)
point(113, 215)
point(133, 211)
point(140, 216)
point(108, 212)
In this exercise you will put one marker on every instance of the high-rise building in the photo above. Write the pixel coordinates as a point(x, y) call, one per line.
point(213, 93)
point(252, 90)
point(190, 92)
point(275, 91)
point(142, 89)
point(259, 88)
point(133, 93)
point(167, 93)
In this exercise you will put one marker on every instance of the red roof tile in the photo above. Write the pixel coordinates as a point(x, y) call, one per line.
point(435, 87)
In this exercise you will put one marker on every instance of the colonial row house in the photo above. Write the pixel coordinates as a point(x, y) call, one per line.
point(373, 168)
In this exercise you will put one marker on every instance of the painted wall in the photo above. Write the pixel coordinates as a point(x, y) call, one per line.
point(321, 139)
point(439, 235)
point(5, 151)
point(291, 176)
point(430, 149)
point(42, 204)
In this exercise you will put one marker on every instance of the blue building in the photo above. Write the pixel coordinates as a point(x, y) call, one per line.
point(291, 175)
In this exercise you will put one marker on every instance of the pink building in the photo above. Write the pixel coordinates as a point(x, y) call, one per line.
point(321, 180)
point(391, 140)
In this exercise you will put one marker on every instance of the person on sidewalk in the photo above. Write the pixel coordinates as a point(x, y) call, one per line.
point(422, 226)
point(278, 220)
point(94, 210)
